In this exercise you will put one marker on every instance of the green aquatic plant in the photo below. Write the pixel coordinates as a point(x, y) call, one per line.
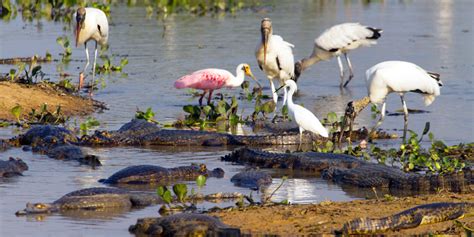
point(201, 181)
point(220, 115)
point(261, 106)
point(108, 66)
point(88, 125)
point(67, 85)
point(148, 115)
point(165, 194)
point(44, 116)
point(439, 158)
point(65, 44)
point(202, 7)
point(16, 112)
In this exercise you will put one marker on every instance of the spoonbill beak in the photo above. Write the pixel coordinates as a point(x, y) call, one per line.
point(249, 73)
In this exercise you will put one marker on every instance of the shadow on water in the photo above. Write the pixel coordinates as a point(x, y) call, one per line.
point(433, 36)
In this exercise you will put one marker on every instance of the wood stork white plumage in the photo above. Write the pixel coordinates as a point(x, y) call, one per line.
point(305, 119)
point(336, 41)
point(274, 57)
point(395, 77)
point(90, 24)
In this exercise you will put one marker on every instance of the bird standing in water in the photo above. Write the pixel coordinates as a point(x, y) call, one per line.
point(90, 24)
point(394, 77)
point(275, 58)
point(336, 41)
point(305, 119)
point(211, 79)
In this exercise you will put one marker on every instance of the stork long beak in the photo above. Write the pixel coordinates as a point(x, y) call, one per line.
point(265, 34)
point(78, 31)
point(250, 74)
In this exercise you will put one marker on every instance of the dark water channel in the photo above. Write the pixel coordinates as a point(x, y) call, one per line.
point(437, 35)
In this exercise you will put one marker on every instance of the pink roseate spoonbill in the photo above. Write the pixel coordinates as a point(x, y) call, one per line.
point(305, 119)
point(212, 79)
point(275, 58)
point(394, 77)
point(90, 24)
point(338, 40)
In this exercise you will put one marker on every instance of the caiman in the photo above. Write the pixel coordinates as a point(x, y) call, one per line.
point(184, 224)
point(149, 174)
point(347, 169)
point(253, 179)
point(93, 199)
point(411, 218)
point(142, 132)
point(12, 167)
point(57, 143)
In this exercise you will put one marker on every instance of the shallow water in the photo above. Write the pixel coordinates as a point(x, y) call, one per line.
point(436, 35)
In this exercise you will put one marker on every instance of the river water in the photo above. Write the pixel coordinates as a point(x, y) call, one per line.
point(437, 35)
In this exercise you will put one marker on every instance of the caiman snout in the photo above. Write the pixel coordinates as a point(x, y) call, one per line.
point(217, 172)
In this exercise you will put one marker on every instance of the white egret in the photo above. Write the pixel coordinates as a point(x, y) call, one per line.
point(338, 40)
point(305, 119)
point(274, 57)
point(395, 77)
point(90, 24)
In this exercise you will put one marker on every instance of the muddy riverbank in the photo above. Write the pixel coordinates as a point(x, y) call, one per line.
point(328, 216)
point(34, 96)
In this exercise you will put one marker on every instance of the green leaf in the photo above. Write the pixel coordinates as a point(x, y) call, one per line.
point(60, 41)
point(332, 117)
point(268, 107)
point(161, 190)
point(191, 109)
point(167, 197)
point(180, 190)
point(201, 181)
point(427, 128)
point(35, 70)
point(123, 62)
point(16, 111)
point(329, 145)
point(207, 110)
point(431, 136)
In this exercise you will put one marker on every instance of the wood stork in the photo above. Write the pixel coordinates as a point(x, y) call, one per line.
point(274, 57)
point(211, 79)
point(338, 40)
point(394, 77)
point(305, 119)
point(90, 24)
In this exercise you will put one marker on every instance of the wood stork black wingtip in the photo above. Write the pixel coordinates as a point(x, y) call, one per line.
point(377, 33)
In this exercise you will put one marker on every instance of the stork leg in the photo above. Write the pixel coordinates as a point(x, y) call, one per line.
point(351, 73)
point(210, 97)
point(275, 99)
point(341, 71)
point(202, 96)
point(93, 70)
point(379, 122)
point(274, 94)
point(405, 117)
point(81, 75)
